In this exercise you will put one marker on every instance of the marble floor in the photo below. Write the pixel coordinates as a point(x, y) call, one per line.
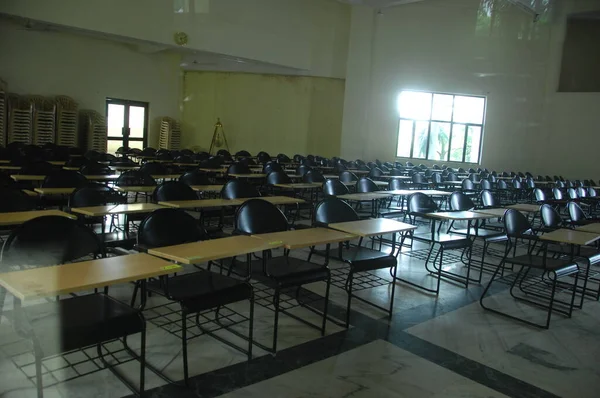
point(434, 346)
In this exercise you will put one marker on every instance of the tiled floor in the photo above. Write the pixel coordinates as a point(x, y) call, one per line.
point(444, 346)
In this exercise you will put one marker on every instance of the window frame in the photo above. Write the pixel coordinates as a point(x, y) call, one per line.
point(451, 122)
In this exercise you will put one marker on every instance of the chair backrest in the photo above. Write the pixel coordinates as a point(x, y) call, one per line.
point(263, 157)
point(134, 178)
point(516, 224)
point(258, 216)
point(95, 169)
point(37, 168)
point(332, 210)
point(558, 194)
point(460, 202)
point(517, 184)
point(451, 177)
point(237, 189)
point(50, 240)
point(474, 177)
point(485, 184)
point(550, 217)
point(436, 178)
point(303, 169)
point(12, 200)
point(195, 177)
point(467, 185)
point(283, 158)
point(572, 193)
point(419, 203)
point(173, 190)
point(88, 196)
point(502, 185)
point(348, 176)
point(313, 176)
point(242, 154)
point(365, 184)
point(238, 168)
point(396, 183)
point(575, 212)
point(582, 192)
point(154, 168)
point(592, 192)
point(419, 178)
point(271, 166)
point(278, 177)
point(376, 172)
point(167, 227)
point(540, 196)
point(223, 152)
point(488, 199)
point(64, 179)
point(334, 187)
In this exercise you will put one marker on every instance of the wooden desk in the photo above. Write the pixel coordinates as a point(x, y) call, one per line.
point(307, 185)
point(201, 203)
point(364, 197)
point(165, 176)
point(146, 189)
point(331, 176)
point(29, 193)
point(4, 161)
point(359, 172)
point(10, 167)
point(133, 208)
point(571, 236)
point(124, 168)
point(302, 238)
point(109, 177)
point(26, 177)
point(57, 162)
point(278, 200)
point(247, 175)
point(460, 215)
point(75, 277)
point(54, 191)
point(390, 177)
point(219, 170)
point(495, 212)
point(207, 188)
point(595, 228)
point(71, 168)
point(408, 192)
point(208, 250)
point(524, 207)
point(20, 217)
point(372, 227)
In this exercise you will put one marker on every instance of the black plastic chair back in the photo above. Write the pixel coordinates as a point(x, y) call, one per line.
point(334, 187)
point(271, 167)
point(258, 216)
point(485, 184)
point(263, 157)
point(451, 177)
point(365, 184)
point(419, 178)
point(395, 184)
point(376, 172)
point(572, 193)
point(50, 240)
point(333, 210)
point(12, 200)
point(348, 176)
point(550, 217)
point(173, 190)
point(195, 177)
point(575, 212)
point(460, 202)
point(135, 178)
point(488, 199)
point(516, 224)
point(278, 177)
point(303, 169)
point(168, 227)
point(242, 154)
point(96, 169)
point(540, 196)
point(313, 176)
point(419, 203)
point(64, 179)
point(37, 168)
point(283, 158)
point(238, 168)
point(88, 196)
point(154, 168)
point(238, 189)
point(467, 185)
point(592, 192)
point(558, 194)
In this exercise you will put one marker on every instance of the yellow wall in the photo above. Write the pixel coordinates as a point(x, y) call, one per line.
point(277, 114)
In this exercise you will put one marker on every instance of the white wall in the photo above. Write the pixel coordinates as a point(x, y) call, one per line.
point(311, 35)
point(89, 70)
point(435, 46)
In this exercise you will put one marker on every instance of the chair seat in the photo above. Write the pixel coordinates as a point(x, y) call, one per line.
point(203, 290)
point(533, 261)
point(290, 271)
point(365, 259)
point(447, 241)
point(82, 321)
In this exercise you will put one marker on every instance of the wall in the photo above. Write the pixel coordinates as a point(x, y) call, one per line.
point(89, 70)
point(311, 35)
point(288, 114)
point(452, 47)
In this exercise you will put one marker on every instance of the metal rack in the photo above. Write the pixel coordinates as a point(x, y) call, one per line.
point(66, 121)
point(20, 119)
point(93, 130)
point(44, 119)
point(170, 134)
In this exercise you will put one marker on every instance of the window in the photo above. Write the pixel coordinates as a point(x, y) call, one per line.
point(442, 127)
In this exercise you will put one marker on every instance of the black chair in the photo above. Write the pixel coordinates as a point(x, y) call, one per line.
point(154, 168)
point(578, 216)
point(64, 179)
point(359, 258)
point(242, 154)
point(135, 178)
point(263, 157)
point(552, 269)
point(312, 176)
point(173, 190)
point(37, 168)
point(488, 200)
point(238, 168)
point(334, 187)
point(375, 173)
point(67, 325)
point(303, 169)
point(365, 184)
point(96, 169)
point(271, 166)
point(420, 204)
point(13, 200)
point(348, 176)
point(419, 180)
point(283, 158)
point(278, 177)
point(260, 217)
point(195, 178)
point(238, 189)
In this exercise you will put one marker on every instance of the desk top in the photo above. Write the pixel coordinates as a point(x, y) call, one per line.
point(86, 275)
point(365, 196)
point(306, 185)
point(595, 228)
point(278, 200)
point(3, 167)
point(527, 208)
point(255, 175)
point(218, 170)
point(396, 177)
point(331, 176)
point(165, 176)
point(27, 177)
point(499, 212)
point(407, 192)
point(54, 191)
point(207, 188)
point(95, 211)
point(201, 203)
point(57, 162)
point(146, 188)
point(103, 177)
point(373, 226)
point(216, 249)
point(124, 167)
point(460, 215)
point(20, 217)
point(302, 238)
point(571, 236)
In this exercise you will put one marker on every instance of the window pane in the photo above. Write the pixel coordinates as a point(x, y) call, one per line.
point(113, 145)
point(404, 138)
point(473, 142)
point(420, 143)
point(442, 107)
point(414, 105)
point(468, 109)
point(458, 143)
point(136, 121)
point(439, 141)
point(116, 120)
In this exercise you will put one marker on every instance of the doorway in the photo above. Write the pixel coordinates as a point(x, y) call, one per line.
point(127, 123)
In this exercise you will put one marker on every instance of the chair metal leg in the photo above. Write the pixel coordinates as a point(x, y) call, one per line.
point(38, 374)
point(349, 292)
point(394, 270)
point(251, 328)
point(184, 347)
point(276, 321)
point(142, 359)
point(326, 305)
